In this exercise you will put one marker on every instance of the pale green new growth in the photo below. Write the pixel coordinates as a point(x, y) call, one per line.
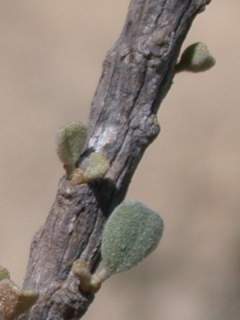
point(97, 166)
point(70, 142)
point(94, 168)
point(4, 273)
point(196, 58)
point(131, 233)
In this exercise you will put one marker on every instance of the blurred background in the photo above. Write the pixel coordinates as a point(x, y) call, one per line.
point(51, 54)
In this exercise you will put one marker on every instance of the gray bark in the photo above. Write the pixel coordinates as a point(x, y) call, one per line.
point(137, 74)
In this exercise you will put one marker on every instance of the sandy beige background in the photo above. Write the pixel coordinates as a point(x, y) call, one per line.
point(50, 60)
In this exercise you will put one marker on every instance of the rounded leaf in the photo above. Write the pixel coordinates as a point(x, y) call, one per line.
point(70, 142)
point(196, 58)
point(131, 233)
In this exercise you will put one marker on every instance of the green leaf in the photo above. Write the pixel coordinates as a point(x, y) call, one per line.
point(70, 142)
point(132, 232)
point(196, 58)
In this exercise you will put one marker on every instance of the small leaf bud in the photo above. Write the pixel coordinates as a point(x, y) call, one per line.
point(70, 142)
point(97, 166)
point(4, 273)
point(196, 58)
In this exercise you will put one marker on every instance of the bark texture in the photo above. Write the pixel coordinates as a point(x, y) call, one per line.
point(137, 74)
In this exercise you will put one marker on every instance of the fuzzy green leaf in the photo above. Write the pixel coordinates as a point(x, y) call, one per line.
point(70, 142)
point(196, 58)
point(131, 233)
point(97, 166)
